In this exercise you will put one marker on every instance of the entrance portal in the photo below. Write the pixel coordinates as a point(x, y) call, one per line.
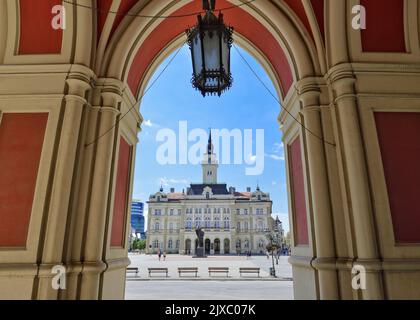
point(216, 246)
point(188, 246)
point(207, 246)
point(226, 246)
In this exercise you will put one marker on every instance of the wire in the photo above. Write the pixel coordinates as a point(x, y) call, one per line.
point(157, 17)
point(278, 101)
point(144, 93)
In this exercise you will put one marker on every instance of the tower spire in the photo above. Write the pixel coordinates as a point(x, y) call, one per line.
point(210, 144)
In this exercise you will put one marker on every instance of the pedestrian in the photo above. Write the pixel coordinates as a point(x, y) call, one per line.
point(164, 255)
point(159, 254)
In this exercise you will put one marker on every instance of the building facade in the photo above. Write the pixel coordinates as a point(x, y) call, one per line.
point(233, 222)
point(137, 219)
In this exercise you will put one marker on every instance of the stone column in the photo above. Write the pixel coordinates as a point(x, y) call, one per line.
point(95, 231)
point(58, 213)
point(325, 259)
point(357, 185)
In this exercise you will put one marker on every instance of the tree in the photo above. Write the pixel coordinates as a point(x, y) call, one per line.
point(139, 244)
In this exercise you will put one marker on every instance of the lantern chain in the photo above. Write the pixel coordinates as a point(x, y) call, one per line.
point(157, 16)
point(278, 101)
point(135, 103)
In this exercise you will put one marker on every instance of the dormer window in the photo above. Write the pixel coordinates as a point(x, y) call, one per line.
point(207, 196)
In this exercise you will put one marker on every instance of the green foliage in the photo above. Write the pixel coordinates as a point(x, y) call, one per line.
point(139, 244)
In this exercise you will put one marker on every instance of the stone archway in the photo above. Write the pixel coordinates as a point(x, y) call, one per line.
point(207, 246)
point(61, 90)
point(217, 246)
point(188, 246)
point(226, 246)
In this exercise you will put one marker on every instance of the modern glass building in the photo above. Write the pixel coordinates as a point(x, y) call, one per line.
point(137, 218)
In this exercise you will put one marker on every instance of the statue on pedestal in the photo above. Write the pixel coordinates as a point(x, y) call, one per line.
point(200, 249)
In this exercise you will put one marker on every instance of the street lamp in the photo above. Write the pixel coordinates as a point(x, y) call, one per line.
point(210, 42)
point(273, 244)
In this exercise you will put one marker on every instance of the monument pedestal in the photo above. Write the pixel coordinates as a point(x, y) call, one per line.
point(199, 253)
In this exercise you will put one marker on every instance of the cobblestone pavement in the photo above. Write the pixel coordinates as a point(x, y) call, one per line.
point(204, 287)
point(209, 290)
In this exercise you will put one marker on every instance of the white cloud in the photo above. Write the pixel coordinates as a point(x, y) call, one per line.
point(166, 182)
point(278, 147)
point(148, 123)
point(275, 156)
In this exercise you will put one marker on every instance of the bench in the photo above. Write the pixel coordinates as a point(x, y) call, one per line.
point(219, 270)
point(188, 270)
point(158, 270)
point(133, 270)
point(249, 270)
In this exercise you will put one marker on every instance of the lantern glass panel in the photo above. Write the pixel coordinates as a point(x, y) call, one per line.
point(211, 51)
point(226, 55)
point(197, 54)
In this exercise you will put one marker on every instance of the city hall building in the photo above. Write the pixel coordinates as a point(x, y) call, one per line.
point(233, 222)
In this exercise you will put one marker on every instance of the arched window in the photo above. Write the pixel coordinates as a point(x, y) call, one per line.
point(157, 225)
point(226, 223)
point(238, 243)
point(170, 244)
point(217, 222)
point(188, 224)
point(207, 222)
point(197, 222)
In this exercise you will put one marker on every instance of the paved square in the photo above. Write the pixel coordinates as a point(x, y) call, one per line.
point(234, 287)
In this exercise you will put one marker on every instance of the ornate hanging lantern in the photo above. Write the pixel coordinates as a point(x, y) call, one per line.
point(210, 42)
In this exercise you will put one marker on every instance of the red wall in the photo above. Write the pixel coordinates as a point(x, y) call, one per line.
point(384, 26)
point(318, 7)
point(399, 139)
point(102, 13)
point(36, 33)
point(21, 140)
point(298, 194)
point(121, 195)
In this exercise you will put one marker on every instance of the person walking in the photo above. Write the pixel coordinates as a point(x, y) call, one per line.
point(159, 254)
point(164, 255)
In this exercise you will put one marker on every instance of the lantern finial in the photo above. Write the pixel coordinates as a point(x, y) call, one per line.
point(209, 5)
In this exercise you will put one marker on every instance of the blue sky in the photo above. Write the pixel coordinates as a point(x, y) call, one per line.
point(247, 105)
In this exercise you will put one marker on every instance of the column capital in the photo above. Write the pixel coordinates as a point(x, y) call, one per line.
point(341, 78)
